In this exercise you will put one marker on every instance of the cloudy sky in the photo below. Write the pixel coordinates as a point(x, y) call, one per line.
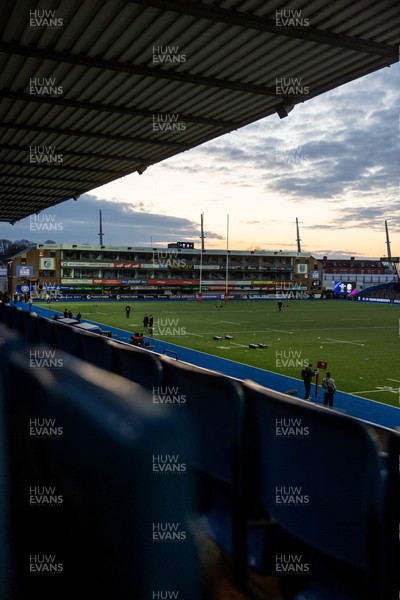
point(334, 163)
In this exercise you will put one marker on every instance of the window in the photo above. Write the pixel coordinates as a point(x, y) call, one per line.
point(47, 273)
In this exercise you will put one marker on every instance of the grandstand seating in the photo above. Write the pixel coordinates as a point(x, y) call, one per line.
point(101, 464)
point(66, 338)
point(6, 312)
point(7, 336)
point(30, 327)
point(319, 475)
point(93, 348)
point(346, 533)
point(17, 323)
point(47, 331)
point(390, 540)
point(215, 404)
point(138, 365)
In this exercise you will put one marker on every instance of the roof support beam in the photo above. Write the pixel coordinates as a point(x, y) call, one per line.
point(110, 137)
point(121, 110)
point(248, 21)
point(56, 166)
point(80, 154)
point(93, 62)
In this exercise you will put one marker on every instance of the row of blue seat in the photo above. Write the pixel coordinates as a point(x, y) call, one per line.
point(117, 357)
point(279, 478)
point(83, 513)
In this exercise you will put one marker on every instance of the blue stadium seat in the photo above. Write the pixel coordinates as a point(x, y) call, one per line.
point(66, 338)
point(47, 331)
point(6, 314)
point(15, 319)
point(318, 474)
point(390, 539)
point(138, 365)
point(30, 327)
point(215, 405)
point(90, 438)
point(94, 348)
point(9, 337)
point(8, 340)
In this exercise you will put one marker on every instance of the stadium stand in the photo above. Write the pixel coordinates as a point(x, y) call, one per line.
point(7, 336)
point(94, 349)
point(137, 365)
point(320, 477)
point(6, 312)
point(215, 404)
point(346, 540)
point(47, 331)
point(5, 573)
point(66, 338)
point(17, 316)
point(391, 530)
point(30, 327)
point(98, 459)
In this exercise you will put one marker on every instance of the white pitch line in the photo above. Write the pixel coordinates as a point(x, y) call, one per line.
point(396, 380)
point(99, 313)
point(363, 392)
point(235, 344)
point(331, 340)
point(196, 334)
point(278, 330)
point(380, 389)
point(347, 328)
point(303, 321)
point(230, 322)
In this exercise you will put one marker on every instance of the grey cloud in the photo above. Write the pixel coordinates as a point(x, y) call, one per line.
point(123, 224)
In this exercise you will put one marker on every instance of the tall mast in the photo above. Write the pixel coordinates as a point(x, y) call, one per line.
point(101, 231)
point(389, 253)
point(298, 235)
point(227, 253)
point(201, 251)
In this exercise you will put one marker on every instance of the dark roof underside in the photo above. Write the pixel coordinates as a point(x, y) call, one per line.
point(104, 88)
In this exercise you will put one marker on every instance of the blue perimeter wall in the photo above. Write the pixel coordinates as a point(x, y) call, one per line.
point(373, 412)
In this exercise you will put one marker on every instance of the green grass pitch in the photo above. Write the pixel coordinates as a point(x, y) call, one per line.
point(359, 341)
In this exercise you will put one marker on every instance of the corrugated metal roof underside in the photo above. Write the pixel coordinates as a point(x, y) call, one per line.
point(98, 89)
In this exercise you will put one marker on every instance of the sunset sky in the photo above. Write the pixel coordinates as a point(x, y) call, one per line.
point(334, 163)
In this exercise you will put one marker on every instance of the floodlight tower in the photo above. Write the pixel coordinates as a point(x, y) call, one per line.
point(101, 231)
point(298, 235)
point(389, 254)
point(201, 256)
point(202, 231)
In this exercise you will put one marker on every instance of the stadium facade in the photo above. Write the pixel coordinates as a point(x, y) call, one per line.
point(179, 270)
point(354, 275)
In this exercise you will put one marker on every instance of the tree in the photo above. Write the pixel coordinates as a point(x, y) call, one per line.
point(8, 248)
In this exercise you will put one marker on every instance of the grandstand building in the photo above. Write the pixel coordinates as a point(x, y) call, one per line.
point(358, 274)
point(181, 270)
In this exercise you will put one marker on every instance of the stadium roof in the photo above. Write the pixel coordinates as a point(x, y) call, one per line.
point(91, 91)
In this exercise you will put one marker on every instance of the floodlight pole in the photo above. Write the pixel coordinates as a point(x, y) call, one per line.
point(101, 231)
point(298, 236)
point(227, 257)
point(201, 255)
point(389, 253)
